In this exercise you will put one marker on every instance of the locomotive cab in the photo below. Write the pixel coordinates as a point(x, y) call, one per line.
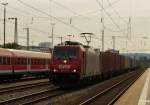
point(66, 60)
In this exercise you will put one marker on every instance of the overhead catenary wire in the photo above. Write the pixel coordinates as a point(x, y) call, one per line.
point(40, 11)
point(108, 14)
point(72, 11)
point(95, 11)
point(22, 12)
point(48, 32)
point(87, 17)
point(65, 7)
point(33, 29)
point(116, 12)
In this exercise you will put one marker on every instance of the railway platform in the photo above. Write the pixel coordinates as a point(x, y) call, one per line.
point(138, 93)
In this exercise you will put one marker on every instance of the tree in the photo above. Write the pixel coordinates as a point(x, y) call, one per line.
point(11, 46)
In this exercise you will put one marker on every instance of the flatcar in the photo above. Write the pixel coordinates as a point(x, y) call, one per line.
point(74, 63)
point(15, 64)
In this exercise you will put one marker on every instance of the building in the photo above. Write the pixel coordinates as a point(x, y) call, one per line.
point(45, 44)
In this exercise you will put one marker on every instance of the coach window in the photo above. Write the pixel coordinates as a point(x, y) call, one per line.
point(22, 61)
point(44, 61)
point(41, 61)
point(18, 61)
point(4, 60)
point(1, 60)
point(36, 61)
point(32, 61)
point(49, 61)
point(25, 61)
point(8, 60)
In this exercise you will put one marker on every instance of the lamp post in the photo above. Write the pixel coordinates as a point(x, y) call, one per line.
point(53, 24)
point(28, 38)
point(114, 39)
point(16, 30)
point(61, 39)
point(4, 4)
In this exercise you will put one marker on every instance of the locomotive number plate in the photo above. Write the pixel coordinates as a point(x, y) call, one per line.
point(64, 66)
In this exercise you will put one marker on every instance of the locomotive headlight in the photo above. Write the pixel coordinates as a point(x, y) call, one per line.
point(65, 61)
point(74, 70)
point(54, 70)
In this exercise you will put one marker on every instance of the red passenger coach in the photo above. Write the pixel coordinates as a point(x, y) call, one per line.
point(29, 62)
point(18, 63)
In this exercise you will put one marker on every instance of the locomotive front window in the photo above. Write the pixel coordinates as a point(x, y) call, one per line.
point(72, 54)
point(69, 53)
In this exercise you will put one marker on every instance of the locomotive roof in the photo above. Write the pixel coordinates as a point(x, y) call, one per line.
point(71, 46)
point(22, 53)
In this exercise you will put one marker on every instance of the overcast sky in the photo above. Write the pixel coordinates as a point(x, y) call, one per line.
point(85, 16)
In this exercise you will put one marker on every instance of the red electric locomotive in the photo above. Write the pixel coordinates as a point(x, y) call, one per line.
point(73, 63)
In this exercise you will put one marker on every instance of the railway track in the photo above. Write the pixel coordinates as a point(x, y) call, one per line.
point(34, 97)
point(111, 94)
point(25, 79)
point(22, 87)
